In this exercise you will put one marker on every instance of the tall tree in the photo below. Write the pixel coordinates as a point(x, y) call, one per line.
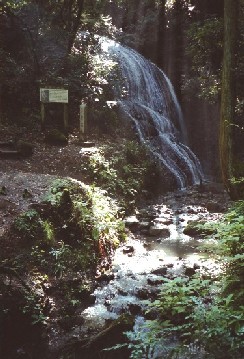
point(161, 33)
point(228, 98)
point(76, 23)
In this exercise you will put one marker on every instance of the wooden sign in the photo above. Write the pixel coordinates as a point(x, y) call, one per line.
point(53, 95)
point(48, 95)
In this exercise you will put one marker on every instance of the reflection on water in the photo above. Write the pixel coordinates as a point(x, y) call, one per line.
point(134, 273)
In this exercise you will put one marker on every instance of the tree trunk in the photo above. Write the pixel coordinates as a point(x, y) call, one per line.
point(76, 24)
point(73, 33)
point(178, 45)
point(161, 34)
point(227, 113)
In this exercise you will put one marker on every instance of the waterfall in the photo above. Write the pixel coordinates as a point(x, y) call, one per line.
point(146, 96)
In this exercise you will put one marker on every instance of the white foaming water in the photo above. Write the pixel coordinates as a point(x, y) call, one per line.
point(146, 96)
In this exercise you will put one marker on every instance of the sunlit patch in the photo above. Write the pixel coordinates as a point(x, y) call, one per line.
point(89, 150)
point(96, 316)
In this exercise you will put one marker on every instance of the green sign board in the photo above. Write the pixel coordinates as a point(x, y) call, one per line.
point(53, 95)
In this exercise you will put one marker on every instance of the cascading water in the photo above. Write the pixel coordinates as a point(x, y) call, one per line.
point(146, 97)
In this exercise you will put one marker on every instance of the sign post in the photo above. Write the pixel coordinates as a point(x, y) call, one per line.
point(83, 120)
point(48, 95)
point(43, 114)
point(66, 116)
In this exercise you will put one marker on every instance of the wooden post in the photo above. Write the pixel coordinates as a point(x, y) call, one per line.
point(1, 104)
point(66, 116)
point(43, 114)
point(83, 121)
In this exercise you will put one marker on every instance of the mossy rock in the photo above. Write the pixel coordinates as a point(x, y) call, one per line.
point(55, 137)
point(198, 228)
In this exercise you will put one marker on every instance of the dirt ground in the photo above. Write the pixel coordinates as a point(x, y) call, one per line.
point(36, 172)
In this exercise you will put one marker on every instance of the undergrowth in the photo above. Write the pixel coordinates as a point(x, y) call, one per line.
point(72, 231)
point(125, 171)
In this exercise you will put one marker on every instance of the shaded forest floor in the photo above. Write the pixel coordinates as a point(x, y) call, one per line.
point(46, 159)
point(36, 172)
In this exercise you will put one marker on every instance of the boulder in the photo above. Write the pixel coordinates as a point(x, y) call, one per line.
point(92, 347)
point(193, 228)
point(198, 228)
point(132, 223)
point(159, 230)
point(213, 206)
point(55, 137)
point(160, 271)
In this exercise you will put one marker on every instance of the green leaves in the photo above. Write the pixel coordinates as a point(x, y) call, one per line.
point(121, 170)
point(205, 45)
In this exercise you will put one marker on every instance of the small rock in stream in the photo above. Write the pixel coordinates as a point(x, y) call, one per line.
point(190, 271)
point(196, 266)
point(122, 292)
point(160, 271)
point(128, 249)
point(143, 293)
point(147, 293)
point(154, 280)
point(134, 309)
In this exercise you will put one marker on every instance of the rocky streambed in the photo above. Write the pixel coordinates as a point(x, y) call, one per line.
point(162, 243)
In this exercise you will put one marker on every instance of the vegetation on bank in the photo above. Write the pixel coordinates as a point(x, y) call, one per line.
point(127, 172)
point(55, 247)
point(65, 242)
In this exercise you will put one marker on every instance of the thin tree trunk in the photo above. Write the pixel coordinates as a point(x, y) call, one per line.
point(227, 113)
point(161, 34)
point(73, 32)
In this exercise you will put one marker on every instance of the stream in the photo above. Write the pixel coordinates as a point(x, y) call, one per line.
point(157, 248)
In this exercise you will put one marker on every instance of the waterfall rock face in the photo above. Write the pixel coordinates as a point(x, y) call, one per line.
point(147, 98)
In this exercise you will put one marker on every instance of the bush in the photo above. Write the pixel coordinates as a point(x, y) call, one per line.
point(85, 227)
point(123, 171)
point(29, 227)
